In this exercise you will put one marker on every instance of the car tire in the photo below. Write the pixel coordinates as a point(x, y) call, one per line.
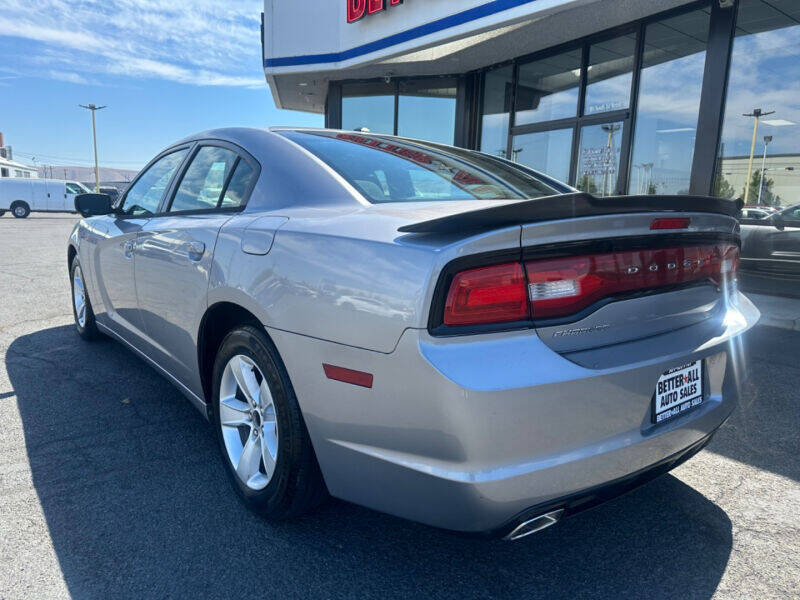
point(85, 323)
point(249, 426)
point(20, 209)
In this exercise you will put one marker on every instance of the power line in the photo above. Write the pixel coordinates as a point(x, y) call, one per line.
point(82, 160)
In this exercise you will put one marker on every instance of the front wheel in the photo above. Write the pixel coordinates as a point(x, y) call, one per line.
point(262, 436)
point(20, 210)
point(81, 307)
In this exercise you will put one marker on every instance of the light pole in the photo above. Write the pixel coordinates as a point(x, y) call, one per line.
point(756, 114)
point(767, 140)
point(611, 128)
point(94, 108)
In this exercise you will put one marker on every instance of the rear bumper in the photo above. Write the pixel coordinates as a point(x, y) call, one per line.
point(473, 433)
point(586, 499)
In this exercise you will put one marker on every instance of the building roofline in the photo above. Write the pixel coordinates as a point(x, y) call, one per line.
point(448, 22)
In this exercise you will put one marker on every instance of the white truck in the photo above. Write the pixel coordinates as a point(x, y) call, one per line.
point(22, 196)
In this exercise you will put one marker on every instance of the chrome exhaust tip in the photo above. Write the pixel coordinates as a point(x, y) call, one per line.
point(535, 525)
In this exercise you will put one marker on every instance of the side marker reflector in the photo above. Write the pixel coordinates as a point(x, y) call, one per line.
point(348, 375)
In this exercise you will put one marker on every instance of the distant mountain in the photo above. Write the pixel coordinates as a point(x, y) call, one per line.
point(86, 173)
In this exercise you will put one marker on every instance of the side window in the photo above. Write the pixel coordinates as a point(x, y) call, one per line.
point(792, 216)
point(238, 186)
point(204, 180)
point(73, 189)
point(145, 195)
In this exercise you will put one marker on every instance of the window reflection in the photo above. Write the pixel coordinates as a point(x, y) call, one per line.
point(669, 104)
point(202, 184)
point(427, 110)
point(368, 106)
point(610, 73)
point(546, 151)
point(497, 94)
point(389, 170)
point(548, 88)
point(236, 192)
point(765, 69)
point(145, 195)
point(598, 159)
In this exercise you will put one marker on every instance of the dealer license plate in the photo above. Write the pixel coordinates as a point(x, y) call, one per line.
point(678, 390)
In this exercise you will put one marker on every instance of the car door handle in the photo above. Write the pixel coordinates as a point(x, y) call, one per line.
point(195, 250)
point(127, 249)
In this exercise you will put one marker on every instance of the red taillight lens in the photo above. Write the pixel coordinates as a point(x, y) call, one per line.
point(729, 265)
point(563, 286)
point(495, 294)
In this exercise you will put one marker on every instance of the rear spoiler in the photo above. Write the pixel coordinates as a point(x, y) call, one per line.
point(570, 206)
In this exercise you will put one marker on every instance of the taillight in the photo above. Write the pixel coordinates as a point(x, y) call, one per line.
point(561, 287)
point(495, 294)
point(729, 265)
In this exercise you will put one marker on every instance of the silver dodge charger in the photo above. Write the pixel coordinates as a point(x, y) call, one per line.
point(425, 330)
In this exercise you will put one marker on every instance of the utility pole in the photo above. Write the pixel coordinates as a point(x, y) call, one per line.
point(608, 157)
point(756, 114)
point(94, 108)
point(767, 140)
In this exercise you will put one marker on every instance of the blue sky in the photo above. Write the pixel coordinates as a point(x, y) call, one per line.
point(165, 69)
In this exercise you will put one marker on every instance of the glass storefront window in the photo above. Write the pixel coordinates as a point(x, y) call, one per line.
point(497, 94)
point(427, 110)
point(609, 75)
point(546, 151)
point(548, 88)
point(669, 104)
point(368, 106)
point(598, 158)
point(765, 69)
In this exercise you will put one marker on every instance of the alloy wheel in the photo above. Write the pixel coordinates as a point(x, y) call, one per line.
point(79, 296)
point(248, 421)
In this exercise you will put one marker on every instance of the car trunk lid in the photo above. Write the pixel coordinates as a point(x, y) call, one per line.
point(598, 273)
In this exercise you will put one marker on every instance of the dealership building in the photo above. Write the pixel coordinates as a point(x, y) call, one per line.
point(611, 96)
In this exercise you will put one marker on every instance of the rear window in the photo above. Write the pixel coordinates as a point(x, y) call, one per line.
point(387, 169)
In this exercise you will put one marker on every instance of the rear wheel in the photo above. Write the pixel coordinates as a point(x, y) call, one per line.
point(262, 436)
point(20, 209)
point(81, 307)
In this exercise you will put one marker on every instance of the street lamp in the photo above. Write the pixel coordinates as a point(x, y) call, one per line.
point(756, 114)
point(767, 140)
point(94, 108)
point(611, 128)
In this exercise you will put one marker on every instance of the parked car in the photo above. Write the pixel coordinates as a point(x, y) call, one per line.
point(424, 330)
point(771, 253)
point(110, 191)
point(755, 213)
point(22, 195)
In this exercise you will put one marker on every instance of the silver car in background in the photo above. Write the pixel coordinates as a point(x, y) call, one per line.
point(424, 330)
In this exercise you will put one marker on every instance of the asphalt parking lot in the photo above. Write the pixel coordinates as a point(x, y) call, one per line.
point(111, 486)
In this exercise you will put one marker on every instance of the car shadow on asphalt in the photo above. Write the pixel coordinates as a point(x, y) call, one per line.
point(762, 432)
point(138, 505)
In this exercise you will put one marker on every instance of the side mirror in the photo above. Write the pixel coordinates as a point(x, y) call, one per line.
point(777, 221)
point(92, 205)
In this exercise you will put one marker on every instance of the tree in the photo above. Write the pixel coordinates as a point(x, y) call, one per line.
point(768, 197)
point(722, 187)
